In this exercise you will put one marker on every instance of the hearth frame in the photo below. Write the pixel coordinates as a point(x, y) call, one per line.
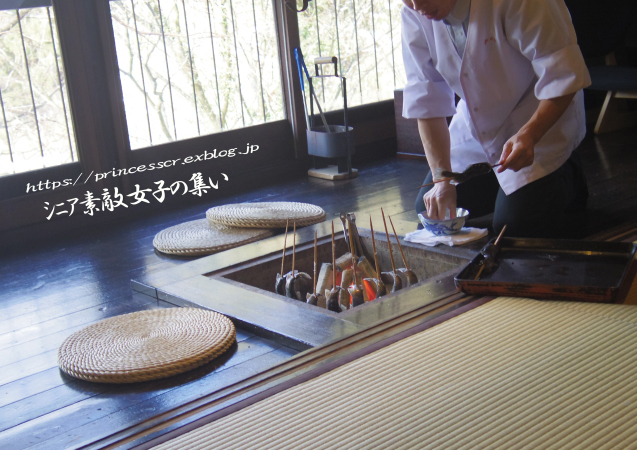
point(200, 283)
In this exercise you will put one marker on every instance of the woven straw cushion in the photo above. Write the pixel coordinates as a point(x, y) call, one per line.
point(266, 215)
point(199, 237)
point(146, 345)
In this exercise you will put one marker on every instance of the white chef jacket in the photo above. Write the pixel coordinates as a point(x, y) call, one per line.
point(517, 53)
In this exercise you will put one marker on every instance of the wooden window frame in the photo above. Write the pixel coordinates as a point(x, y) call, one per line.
point(87, 45)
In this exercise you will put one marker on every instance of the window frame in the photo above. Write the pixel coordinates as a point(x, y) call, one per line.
point(282, 153)
point(87, 45)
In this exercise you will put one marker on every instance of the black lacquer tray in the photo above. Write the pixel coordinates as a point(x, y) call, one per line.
point(573, 270)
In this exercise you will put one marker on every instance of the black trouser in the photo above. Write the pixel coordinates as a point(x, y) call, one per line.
point(551, 207)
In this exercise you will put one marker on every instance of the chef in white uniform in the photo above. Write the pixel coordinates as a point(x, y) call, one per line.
point(519, 74)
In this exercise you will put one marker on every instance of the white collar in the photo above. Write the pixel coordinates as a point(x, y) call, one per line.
point(459, 13)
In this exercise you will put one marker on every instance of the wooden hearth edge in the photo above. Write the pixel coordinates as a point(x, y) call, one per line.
point(293, 371)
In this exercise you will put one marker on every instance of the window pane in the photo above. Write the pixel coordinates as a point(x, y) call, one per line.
point(36, 129)
point(195, 67)
point(365, 36)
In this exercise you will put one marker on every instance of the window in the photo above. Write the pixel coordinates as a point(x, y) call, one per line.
point(36, 129)
point(365, 36)
point(84, 82)
point(195, 67)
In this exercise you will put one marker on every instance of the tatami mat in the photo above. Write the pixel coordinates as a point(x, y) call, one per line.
point(511, 374)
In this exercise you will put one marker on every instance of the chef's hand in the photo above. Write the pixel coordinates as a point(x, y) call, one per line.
point(439, 198)
point(518, 152)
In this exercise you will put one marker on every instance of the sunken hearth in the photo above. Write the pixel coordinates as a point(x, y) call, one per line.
point(240, 283)
point(261, 274)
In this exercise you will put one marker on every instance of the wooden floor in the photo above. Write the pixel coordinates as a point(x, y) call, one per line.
point(54, 288)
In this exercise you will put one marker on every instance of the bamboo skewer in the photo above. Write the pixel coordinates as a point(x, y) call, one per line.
point(371, 226)
point(409, 274)
point(333, 259)
point(285, 241)
point(497, 241)
point(381, 289)
point(479, 272)
point(332, 299)
point(315, 262)
point(294, 249)
point(312, 299)
point(281, 279)
point(349, 227)
point(356, 295)
point(398, 242)
point(391, 254)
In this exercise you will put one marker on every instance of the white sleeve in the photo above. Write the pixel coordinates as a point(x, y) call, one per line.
point(543, 32)
point(426, 94)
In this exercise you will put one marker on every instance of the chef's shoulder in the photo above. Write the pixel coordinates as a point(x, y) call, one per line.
point(530, 8)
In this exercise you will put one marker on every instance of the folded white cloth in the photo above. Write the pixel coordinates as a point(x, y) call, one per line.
point(462, 237)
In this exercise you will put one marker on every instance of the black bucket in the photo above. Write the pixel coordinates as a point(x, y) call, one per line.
point(330, 145)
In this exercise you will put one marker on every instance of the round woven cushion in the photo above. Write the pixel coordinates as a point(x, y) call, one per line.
point(146, 345)
point(266, 215)
point(200, 237)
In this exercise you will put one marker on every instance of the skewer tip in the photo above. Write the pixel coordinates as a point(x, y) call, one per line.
point(402, 253)
point(497, 241)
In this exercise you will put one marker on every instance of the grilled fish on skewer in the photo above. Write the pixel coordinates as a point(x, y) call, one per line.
point(332, 299)
point(289, 282)
point(381, 289)
point(355, 292)
point(409, 274)
point(392, 281)
point(297, 284)
point(357, 296)
point(378, 287)
point(312, 299)
point(279, 286)
point(490, 254)
point(343, 295)
point(398, 284)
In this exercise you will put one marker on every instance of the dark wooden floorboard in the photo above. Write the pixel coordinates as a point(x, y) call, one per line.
point(133, 403)
point(69, 394)
point(89, 315)
point(147, 409)
point(51, 378)
point(48, 290)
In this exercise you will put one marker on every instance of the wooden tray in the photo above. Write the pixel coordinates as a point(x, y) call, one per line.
point(587, 271)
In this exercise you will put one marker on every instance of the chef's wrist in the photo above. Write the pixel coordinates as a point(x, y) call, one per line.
point(531, 132)
point(444, 184)
point(436, 173)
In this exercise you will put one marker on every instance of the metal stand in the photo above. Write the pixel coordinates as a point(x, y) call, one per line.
point(337, 141)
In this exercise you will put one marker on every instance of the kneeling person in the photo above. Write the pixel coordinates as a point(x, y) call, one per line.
point(519, 73)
